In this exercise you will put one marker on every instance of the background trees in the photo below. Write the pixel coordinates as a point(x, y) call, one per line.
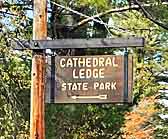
point(70, 19)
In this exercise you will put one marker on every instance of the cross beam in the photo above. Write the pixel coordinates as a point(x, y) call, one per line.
point(131, 42)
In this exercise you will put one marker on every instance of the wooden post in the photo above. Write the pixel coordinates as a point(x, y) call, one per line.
point(37, 124)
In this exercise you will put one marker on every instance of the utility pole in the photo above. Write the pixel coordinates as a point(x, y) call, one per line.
point(37, 124)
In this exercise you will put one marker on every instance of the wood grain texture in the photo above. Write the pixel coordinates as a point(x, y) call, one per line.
point(37, 124)
point(111, 74)
point(131, 42)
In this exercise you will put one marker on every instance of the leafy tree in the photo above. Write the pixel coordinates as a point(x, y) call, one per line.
point(117, 19)
point(14, 75)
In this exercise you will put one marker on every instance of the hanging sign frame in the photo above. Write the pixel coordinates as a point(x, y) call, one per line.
point(89, 83)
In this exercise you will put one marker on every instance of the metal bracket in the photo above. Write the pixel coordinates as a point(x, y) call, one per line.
point(126, 75)
point(52, 93)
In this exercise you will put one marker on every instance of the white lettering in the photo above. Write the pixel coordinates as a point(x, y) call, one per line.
point(95, 73)
point(79, 86)
point(74, 74)
point(74, 87)
point(69, 86)
point(69, 63)
point(88, 62)
point(95, 62)
point(101, 62)
point(81, 62)
point(101, 87)
point(113, 86)
point(85, 86)
point(114, 62)
point(82, 73)
point(63, 87)
point(108, 62)
point(75, 61)
point(62, 65)
point(101, 73)
point(104, 86)
point(88, 73)
point(107, 86)
point(95, 85)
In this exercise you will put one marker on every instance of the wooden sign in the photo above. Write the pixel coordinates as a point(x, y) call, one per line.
point(88, 79)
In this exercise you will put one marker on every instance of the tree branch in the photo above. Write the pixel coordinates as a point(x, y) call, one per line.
point(123, 9)
point(161, 79)
point(7, 13)
point(147, 15)
point(84, 21)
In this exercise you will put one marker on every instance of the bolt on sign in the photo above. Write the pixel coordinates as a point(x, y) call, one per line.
point(88, 79)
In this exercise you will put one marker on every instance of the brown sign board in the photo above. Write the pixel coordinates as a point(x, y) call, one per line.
point(89, 79)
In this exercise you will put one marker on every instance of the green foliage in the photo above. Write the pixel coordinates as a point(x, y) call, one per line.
point(12, 123)
point(82, 121)
point(14, 93)
point(149, 64)
point(161, 124)
point(94, 3)
point(105, 121)
point(14, 77)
